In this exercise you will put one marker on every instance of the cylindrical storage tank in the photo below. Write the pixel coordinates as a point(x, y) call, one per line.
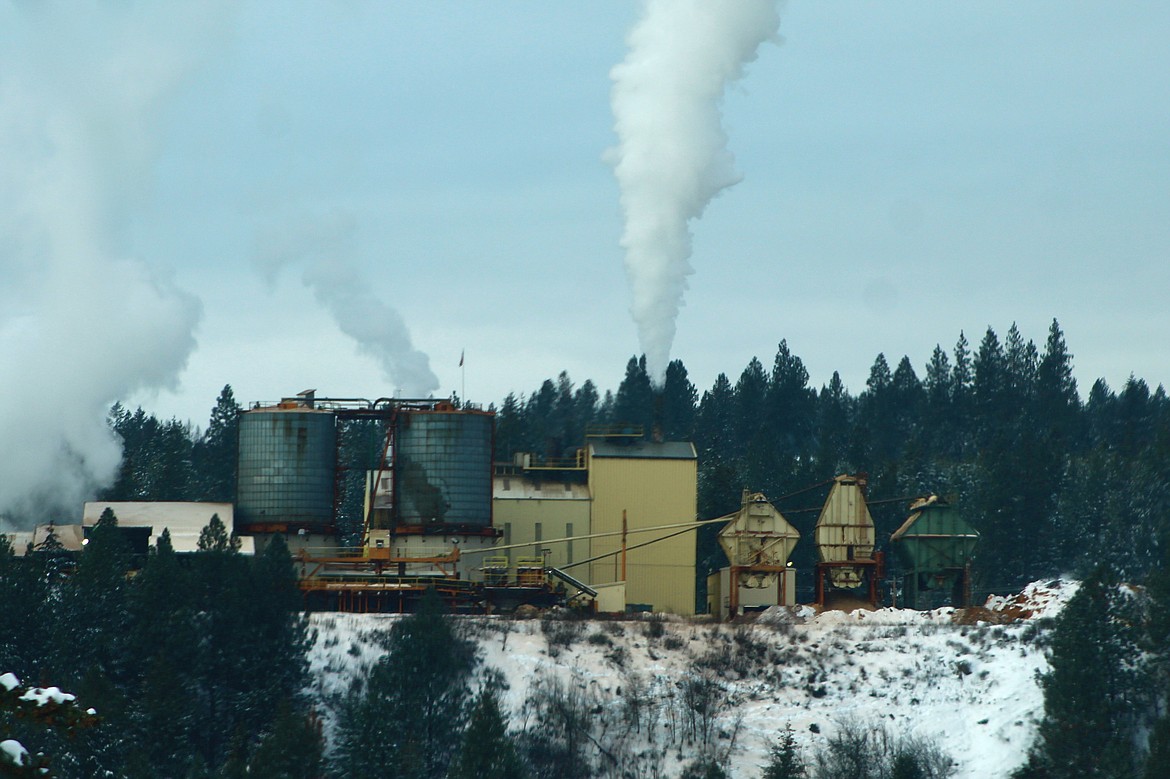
point(443, 468)
point(286, 470)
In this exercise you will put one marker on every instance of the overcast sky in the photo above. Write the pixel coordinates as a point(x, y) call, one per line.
point(276, 175)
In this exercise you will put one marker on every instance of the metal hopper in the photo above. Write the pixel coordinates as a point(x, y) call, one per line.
point(844, 534)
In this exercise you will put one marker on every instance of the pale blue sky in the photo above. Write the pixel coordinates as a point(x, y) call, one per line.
point(911, 169)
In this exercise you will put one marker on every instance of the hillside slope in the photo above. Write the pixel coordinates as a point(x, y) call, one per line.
point(658, 688)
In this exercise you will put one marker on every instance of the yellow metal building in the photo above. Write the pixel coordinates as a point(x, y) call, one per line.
point(653, 483)
point(535, 510)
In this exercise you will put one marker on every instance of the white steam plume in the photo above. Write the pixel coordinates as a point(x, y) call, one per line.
point(323, 246)
point(671, 158)
point(83, 321)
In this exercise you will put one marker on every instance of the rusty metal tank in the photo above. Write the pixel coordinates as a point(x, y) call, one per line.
point(287, 465)
point(845, 532)
point(759, 540)
point(443, 468)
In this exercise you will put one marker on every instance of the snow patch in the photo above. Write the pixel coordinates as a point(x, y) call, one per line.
point(966, 678)
point(12, 751)
point(43, 696)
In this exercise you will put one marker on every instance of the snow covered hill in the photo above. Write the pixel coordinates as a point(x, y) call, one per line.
point(966, 679)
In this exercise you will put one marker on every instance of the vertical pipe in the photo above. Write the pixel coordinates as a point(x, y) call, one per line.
point(733, 593)
point(623, 545)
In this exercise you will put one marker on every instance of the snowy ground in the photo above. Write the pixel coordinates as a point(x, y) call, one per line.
point(971, 686)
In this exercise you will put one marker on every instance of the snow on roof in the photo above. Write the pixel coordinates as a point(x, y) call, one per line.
point(644, 450)
point(527, 488)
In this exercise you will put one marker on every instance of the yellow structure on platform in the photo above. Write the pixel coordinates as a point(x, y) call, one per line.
point(650, 483)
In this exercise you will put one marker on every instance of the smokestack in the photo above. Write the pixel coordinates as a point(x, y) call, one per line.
point(671, 158)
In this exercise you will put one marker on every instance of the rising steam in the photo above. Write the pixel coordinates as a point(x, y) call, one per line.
point(323, 246)
point(671, 158)
point(83, 320)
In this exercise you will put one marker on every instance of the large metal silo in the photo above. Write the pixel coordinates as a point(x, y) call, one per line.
point(286, 470)
point(443, 469)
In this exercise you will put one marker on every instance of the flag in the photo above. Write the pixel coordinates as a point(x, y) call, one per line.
point(461, 358)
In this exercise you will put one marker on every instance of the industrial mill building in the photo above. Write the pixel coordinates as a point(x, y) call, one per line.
point(616, 474)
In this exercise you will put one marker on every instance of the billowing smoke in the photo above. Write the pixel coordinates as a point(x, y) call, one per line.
point(671, 158)
point(83, 320)
point(323, 246)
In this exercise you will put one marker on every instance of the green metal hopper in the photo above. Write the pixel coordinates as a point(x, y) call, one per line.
point(935, 544)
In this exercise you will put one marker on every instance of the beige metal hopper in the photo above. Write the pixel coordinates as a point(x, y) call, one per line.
point(844, 532)
point(758, 541)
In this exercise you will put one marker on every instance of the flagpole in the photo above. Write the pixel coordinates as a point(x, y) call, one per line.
point(462, 377)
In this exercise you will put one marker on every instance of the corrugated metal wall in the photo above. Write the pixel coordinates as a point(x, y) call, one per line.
point(555, 518)
point(652, 492)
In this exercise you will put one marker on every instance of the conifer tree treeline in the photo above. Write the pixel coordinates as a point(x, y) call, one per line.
point(169, 461)
point(193, 665)
point(1053, 482)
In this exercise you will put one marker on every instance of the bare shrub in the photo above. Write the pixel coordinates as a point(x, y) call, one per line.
point(560, 631)
point(704, 698)
point(598, 638)
point(859, 751)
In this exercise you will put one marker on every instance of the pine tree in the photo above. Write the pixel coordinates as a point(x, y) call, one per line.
point(488, 752)
point(634, 403)
point(788, 416)
point(292, 749)
point(1057, 401)
point(1020, 366)
point(216, 454)
point(538, 419)
point(750, 392)
point(834, 409)
point(962, 395)
point(785, 761)
point(414, 703)
point(678, 404)
point(586, 402)
point(1089, 720)
point(874, 415)
point(566, 431)
point(24, 628)
point(214, 537)
point(509, 433)
point(988, 384)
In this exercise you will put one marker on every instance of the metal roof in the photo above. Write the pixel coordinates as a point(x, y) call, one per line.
point(644, 450)
point(184, 520)
point(70, 537)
